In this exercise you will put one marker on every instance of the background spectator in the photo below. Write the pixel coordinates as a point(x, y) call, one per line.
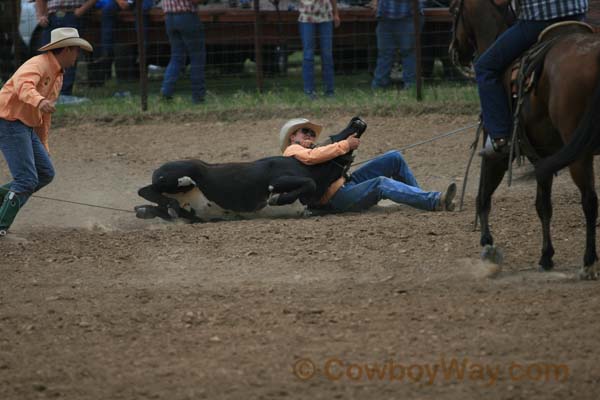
point(321, 16)
point(54, 14)
point(109, 17)
point(186, 34)
point(395, 31)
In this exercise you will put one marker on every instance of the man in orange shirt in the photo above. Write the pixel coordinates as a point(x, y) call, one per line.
point(26, 104)
point(387, 176)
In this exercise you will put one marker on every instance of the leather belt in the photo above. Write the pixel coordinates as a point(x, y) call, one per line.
point(62, 13)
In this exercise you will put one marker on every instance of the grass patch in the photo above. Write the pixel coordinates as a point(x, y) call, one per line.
point(235, 98)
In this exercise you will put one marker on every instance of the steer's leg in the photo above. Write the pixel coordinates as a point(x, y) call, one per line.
point(171, 206)
point(288, 189)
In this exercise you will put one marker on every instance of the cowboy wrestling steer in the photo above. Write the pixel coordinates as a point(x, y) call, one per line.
point(200, 192)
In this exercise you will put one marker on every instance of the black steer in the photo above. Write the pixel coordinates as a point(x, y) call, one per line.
point(235, 188)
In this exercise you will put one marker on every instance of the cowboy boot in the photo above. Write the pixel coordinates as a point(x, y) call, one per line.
point(8, 211)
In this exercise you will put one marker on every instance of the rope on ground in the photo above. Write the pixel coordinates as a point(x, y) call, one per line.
point(82, 204)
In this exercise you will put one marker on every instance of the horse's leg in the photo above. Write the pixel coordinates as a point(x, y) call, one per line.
point(492, 172)
point(543, 206)
point(288, 189)
point(582, 172)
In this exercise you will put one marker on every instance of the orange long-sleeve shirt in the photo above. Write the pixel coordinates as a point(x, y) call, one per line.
point(39, 78)
point(320, 155)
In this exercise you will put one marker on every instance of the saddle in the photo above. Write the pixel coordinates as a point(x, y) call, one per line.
point(525, 73)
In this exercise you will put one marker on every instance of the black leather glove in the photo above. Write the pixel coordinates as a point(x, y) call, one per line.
point(356, 125)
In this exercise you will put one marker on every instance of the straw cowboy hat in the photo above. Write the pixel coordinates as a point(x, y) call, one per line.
point(292, 126)
point(65, 37)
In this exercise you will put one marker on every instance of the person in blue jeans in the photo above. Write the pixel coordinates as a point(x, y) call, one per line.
point(387, 176)
point(534, 17)
point(395, 31)
point(27, 102)
point(186, 35)
point(54, 14)
point(109, 17)
point(317, 17)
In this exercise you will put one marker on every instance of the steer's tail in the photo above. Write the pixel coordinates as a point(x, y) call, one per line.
point(585, 140)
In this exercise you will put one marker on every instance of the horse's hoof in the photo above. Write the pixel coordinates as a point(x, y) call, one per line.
point(545, 267)
point(589, 273)
point(492, 254)
point(144, 212)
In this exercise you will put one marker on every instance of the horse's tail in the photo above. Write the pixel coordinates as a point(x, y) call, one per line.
point(585, 140)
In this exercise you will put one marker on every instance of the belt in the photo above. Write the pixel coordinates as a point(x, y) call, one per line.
point(62, 13)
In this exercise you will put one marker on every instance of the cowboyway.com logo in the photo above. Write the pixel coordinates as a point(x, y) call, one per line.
point(446, 369)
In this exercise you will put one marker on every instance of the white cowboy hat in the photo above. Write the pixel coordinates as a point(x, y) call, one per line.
point(292, 126)
point(65, 37)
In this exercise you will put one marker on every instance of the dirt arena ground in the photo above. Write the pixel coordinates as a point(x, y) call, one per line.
point(388, 304)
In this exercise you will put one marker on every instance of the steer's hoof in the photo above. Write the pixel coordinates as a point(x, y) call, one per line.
point(492, 254)
point(172, 212)
point(273, 199)
point(144, 212)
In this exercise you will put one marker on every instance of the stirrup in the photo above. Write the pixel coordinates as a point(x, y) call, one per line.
point(495, 148)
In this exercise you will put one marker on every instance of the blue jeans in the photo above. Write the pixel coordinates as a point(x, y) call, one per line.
point(68, 21)
point(307, 33)
point(109, 16)
point(186, 34)
point(490, 67)
point(27, 159)
point(385, 177)
point(394, 34)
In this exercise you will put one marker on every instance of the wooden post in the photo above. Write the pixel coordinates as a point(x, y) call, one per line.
point(258, 46)
point(418, 72)
point(141, 44)
point(16, 35)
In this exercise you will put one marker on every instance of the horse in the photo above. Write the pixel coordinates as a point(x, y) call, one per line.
point(198, 191)
point(563, 101)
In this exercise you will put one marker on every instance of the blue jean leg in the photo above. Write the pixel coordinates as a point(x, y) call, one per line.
point(392, 35)
point(108, 18)
point(307, 34)
point(386, 177)
point(185, 32)
point(386, 50)
point(27, 158)
point(195, 45)
point(407, 45)
point(326, 48)
point(391, 165)
point(69, 21)
point(490, 67)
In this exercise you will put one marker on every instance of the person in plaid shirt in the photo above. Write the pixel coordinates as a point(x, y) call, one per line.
point(534, 17)
point(54, 14)
point(186, 34)
point(395, 30)
point(317, 16)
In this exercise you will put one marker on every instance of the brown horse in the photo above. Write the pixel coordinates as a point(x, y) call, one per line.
point(566, 98)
